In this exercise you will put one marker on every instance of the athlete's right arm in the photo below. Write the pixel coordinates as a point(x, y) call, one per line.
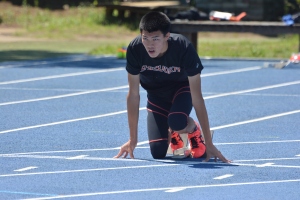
point(133, 104)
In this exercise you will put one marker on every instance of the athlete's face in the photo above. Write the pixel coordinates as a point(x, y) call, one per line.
point(156, 43)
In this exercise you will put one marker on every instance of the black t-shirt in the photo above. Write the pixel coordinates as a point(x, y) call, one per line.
point(162, 76)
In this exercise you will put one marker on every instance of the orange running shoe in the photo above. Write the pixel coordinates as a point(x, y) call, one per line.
point(176, 141)
point(196, 140)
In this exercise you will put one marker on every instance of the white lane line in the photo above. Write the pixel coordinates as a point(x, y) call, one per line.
point(25, 169)
point(66, 121)
point(82, 157)
point(111, 70)
point(166, 189)
point(176, 189)
point(62, 76)
point(254, 89)
point(79, 157)
point(231, 71)
point(245, 122)
point(125, 111)
point(257, 142)
point(45, 89)
point(117, 148)
point(266, 165)
point(134, 167)
point(144, 108)
point(268, 95)
point(214, 96)
point(88, 170)
point(121, 87)
point(256, 120)
point(63, 151)
point(34, 63)
point(63, 96)
point(143, 142)
point(223, 176)
point(266, 159)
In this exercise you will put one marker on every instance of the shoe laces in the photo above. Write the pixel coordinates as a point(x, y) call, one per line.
point(196, 140)
point(175, 138)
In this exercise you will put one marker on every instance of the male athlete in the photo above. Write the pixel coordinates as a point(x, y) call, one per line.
point(168, 67)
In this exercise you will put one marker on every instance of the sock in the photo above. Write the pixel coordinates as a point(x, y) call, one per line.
point(194, 130)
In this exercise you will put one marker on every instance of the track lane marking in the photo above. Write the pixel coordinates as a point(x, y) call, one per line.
point(95, 91)
point(147, 147)
point(81, 157)
point(266, 165)
point(165, 164)
point(254, 89)
point(256, 142)
point(209, 97)
point(62, 76)
point(88, 170)
point(25, 193)
point(178, 189)
point(238, 143)
point(111, 70)
point(64, 95)
point(231, 71)
point(66, 121)
point(25, 169)
point(144, 108)
point(256, 120)
point(223, 176)
point(166, 189)
point(76, 59)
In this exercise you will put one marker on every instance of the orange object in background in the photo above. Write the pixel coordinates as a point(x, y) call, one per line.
point(225, 16)
point(295, 58)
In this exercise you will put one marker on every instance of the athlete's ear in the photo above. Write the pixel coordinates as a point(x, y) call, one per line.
point(167, 36)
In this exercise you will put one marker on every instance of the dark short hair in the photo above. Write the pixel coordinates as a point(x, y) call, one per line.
point(155, 21)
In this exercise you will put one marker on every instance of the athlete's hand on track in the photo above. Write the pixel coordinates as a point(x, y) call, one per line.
point(212, 151)
point(126, 149)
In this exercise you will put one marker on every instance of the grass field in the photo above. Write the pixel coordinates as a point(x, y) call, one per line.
point(37, 33)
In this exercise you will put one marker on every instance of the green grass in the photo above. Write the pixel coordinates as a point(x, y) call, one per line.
point(279, 47)
point(64, 24)
point(86, 30)
point(45, 49)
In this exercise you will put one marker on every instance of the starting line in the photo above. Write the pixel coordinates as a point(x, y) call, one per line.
point(167, 189)
point(166, 163)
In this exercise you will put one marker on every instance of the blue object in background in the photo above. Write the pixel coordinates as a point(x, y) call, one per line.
point(288, 20)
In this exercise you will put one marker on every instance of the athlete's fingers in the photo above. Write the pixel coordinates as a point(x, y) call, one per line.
point(208, 156)
point(131, 154)
point(121, 152)
point(125, 155)
point(222, 158)
point(219, 155)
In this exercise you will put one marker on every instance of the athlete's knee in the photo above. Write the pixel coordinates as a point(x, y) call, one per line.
point(177, 121)
point(159, 149)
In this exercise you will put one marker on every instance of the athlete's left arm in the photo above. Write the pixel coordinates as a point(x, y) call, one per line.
point(200, 108)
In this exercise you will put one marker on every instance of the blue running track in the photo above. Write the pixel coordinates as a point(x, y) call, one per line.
point(62, 121)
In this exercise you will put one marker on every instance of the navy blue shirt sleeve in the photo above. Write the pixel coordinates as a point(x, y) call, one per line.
point(133, 66)
point(191, 61)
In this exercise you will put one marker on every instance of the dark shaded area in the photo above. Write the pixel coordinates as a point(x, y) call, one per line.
point(65, 60)
point(50, 4)
point(19, 55)
point(195, 163)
